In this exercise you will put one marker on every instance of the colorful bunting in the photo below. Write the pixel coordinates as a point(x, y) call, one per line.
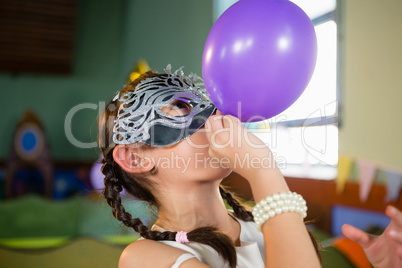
point(394, 184)
point(344, 167)
point(367, 172)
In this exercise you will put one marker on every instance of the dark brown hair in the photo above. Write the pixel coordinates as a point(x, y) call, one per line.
point(116, 179)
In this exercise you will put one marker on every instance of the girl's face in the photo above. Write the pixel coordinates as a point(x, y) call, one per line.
point(188, 159)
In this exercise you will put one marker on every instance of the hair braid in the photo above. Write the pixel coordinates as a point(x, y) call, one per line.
point(206, 235)
point(112, 190)
point(239, 210)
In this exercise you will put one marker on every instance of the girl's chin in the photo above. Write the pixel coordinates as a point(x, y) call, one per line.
point(212, 174)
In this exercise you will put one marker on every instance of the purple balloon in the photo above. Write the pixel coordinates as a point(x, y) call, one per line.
point(258, 58)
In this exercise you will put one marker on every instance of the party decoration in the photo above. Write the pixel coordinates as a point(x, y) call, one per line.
point(139, 68)
point(258, 58)
point(394, 184)
point(29, 149)
point(367, 172)
point(96, 176)
point(345, 164)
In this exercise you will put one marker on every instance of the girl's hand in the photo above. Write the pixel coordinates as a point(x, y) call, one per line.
point(233, 144)
point(384, 250)
point(243, 152)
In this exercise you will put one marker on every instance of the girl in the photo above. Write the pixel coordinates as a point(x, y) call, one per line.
point(164, 142)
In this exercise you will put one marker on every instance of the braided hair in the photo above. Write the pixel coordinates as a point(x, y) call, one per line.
point(116, 179)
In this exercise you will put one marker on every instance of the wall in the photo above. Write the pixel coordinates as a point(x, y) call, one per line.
point(372, 92)
point(110, 37)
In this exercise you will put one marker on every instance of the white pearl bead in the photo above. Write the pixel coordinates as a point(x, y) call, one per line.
point(269, 199)
point(263, 202)
point(280, 203)
point(278, 211)
point(285, 209)
point(271, 213)
point(274, 205)
point(267, 207)
point(299, 209)
point(275, 196)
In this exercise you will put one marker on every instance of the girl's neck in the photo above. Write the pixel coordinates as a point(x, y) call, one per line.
point(195, 206)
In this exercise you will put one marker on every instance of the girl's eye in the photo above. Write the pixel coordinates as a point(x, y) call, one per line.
point(179, 104)
point(178, 108)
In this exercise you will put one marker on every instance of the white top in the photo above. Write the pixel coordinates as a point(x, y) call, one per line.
point(249, 254)
point(182, 258)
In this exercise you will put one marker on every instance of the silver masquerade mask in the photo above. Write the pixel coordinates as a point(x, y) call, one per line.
point(162, 111)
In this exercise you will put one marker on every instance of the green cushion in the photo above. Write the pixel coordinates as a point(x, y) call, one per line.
point(31, 216)
point(35, 217)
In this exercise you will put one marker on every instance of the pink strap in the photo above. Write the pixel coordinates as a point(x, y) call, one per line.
point(181, 237)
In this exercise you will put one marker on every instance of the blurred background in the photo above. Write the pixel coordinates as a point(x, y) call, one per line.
point(61, 60)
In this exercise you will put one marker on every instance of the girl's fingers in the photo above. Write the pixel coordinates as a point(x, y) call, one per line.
point(357, 235)
point(394, 231)
point(216, 133)
point(399, 252)
point(395, 215)
point(213, 123)
point(396, 236)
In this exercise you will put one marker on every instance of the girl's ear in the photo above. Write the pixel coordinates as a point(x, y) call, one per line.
point(130, 159)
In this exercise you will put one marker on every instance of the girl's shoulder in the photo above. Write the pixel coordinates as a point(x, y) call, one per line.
point(149, 253)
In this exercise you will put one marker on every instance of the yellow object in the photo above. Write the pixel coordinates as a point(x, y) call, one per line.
point(344, 168)
point(140, 67)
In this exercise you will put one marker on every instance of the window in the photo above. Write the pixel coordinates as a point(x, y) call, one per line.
point(304, 138)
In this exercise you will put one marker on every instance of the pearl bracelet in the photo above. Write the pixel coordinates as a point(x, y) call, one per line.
point(278, 203)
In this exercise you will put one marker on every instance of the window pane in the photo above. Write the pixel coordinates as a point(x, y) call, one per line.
point(219, 6)
point(316, 8)
point(321, 91)
point(310, 145)
point(313, 8)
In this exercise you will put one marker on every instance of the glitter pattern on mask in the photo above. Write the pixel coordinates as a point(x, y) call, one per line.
point(141, 109)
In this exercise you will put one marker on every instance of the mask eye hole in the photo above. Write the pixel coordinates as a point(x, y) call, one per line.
point(178, 107)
